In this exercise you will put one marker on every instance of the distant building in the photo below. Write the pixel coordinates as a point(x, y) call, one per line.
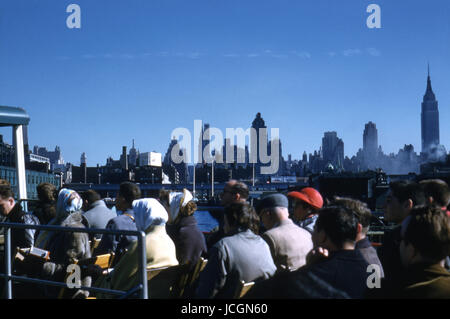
point(150, 159)
point(33, 179)
point(370, 146)
point(429, 119)
point(333, 150)
point(133, 156)
point(55, 157)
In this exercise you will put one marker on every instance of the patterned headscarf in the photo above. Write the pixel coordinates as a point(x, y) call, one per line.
point(65, 206)
point(148, 212)
point(63, 209)
point(177, 200)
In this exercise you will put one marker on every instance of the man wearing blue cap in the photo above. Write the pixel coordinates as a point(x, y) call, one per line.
point(289, 243)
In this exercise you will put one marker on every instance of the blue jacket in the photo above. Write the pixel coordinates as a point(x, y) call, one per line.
point(117, 243)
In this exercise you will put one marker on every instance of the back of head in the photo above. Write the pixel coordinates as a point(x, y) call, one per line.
point(272, 201)
point(181, 204)
point(68, 202)
point(130, 192)
point(240, 188)
point(149, 212)
point(47, 192)
point(242, 216)
point(360, 208)
point(438, 190)
point(428, 230)
point(4, 182)
point(404, 190)
point(6, 191)
point(339, 224)
point(90, 196)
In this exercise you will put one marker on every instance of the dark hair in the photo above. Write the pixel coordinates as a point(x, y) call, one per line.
point(340, 224)
point(4, 182)
point(130, 192)
point(438, 189)
point(240, 188)
point(6, 191)
point(360, 208)
point(428, 230)
point(47, 192)
point(242, 216)
point(90, 196)
point(404, 190)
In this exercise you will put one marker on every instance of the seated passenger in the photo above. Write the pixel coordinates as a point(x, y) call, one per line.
point(118, 244)
point(289, 243)
point(65, 247)
point(424, 246)
point(95, 211)
point(46, 207)
point(182, 226)
point(334, 268)
point(151, 218)
point(241, 255)
point(362, 241)
point(307, 203)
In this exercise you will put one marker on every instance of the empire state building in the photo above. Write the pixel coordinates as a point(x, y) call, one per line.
point(430, 119)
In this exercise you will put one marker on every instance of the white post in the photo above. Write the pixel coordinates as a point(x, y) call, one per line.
point(20, 164)
point(193, 186)
point(253, 175)
point(212, 180)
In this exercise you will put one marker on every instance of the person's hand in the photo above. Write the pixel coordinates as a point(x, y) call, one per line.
point(91, 270)
point(316, 255)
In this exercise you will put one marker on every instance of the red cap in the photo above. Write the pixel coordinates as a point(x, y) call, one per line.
point(308, 195)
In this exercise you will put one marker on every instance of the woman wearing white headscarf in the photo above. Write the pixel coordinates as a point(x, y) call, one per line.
point(151, 218)
point(182, 226)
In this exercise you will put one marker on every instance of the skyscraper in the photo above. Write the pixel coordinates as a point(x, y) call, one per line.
point(370, 144)
point(430, 119)
point(333, 149)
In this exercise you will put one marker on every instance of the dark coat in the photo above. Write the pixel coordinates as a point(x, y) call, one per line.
point(189, 240)
point(389, 254)
point(45, 212)
point(369, 253)
point(341, 275)
point(417, 281)
point(23, 238)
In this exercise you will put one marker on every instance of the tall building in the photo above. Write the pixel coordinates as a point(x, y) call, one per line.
point(370, 145)
point(430, 119)
point(333, 149)
point(133, 156)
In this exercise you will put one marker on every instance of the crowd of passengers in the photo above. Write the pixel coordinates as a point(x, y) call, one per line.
point(319, 249)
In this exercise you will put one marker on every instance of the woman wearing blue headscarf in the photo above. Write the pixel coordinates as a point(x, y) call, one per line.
point(150, 217)
point(65, 247)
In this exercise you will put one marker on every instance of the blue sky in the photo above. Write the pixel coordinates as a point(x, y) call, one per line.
point(139, 69)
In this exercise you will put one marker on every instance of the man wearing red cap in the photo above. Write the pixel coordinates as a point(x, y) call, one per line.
point(307, 203)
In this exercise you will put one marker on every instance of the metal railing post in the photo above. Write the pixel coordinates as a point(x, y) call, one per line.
point(143, 264)
point(8, 283)
point(9, 278)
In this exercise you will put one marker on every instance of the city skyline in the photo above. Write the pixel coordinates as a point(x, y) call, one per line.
point(140, 70)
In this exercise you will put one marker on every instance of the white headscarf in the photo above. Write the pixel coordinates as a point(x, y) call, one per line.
point(147, 212)
point(177, 200)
